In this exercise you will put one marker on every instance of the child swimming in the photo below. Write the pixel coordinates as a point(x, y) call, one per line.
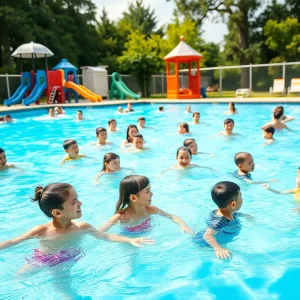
point(72, 150)
point(111, 164)
point(228, 126)
point(112, 125)
point(191, 143)
point(224, 221)
point(134, 209)
point(120, 110)
point(161, 109)
point(101, 135)
point(129, 108)
point(245, 164)
point(59, 110)
point(188, 109)
point(138, 143)
point(132, 130)
point(268, 133)
point(295, 191)
point(196, 118)
point(59, 239)
point(183, 128)
point(141, 122)
point(231, 109)
point(79, 115)
point(3, 162)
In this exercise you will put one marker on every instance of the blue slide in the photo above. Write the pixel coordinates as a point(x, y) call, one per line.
point(40, 86)
point(21, 91)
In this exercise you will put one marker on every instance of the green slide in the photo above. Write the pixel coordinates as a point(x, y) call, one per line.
point(119, 90)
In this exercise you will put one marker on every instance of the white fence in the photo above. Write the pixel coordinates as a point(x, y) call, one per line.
point(223, 78)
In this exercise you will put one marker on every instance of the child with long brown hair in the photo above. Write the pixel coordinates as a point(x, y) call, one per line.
point(134, 209)
point(111, 164)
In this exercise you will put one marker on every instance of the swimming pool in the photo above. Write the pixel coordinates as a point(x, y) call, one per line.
point(265, 262)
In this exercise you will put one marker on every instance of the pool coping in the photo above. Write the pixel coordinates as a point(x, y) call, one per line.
point(84, 103)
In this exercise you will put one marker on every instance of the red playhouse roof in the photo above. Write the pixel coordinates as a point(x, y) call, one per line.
point(183, 50)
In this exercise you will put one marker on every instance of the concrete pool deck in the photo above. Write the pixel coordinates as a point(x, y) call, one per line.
point(84, 103)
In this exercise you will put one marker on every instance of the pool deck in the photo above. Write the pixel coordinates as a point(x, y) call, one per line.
point(84, 103)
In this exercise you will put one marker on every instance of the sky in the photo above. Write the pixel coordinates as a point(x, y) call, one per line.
point(212, 32)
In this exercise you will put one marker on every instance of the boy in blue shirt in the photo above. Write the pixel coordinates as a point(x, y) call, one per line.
point(245, 164)
point(225, 220)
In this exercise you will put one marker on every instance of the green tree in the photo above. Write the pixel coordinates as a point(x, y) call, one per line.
point(284, 38)
point(142, 59)
point(111, 42)
point(239, 13)
point(140, 18)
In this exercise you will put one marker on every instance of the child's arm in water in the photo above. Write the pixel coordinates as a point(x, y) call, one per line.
point(287, 128)
point(175, 219)
point(63, 160)
point(287, 119)
point(210, 239)
point(286, 192)
point(34, 232)
point(137, 242)
point(258, 182)
point(97, 177)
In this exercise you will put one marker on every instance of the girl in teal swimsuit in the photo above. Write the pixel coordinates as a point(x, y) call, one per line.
point(134, 209)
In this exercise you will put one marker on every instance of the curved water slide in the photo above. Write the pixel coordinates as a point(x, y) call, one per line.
point(83, 91)
point(35, 94)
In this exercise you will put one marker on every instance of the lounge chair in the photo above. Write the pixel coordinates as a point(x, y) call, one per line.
point(295, 86)
point(278, 86)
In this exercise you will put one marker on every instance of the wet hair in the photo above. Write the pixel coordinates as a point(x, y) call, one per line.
point(184, 149)
point(130, 185)
point(108, 157)
point(111, 120)
point(278, 114)
point(196, 113)
point(68, 143)
point(141, 119)
point(188, 142)
point(138, 135)
point(224, 192)
point(160, 108)
point(2, 151)
point(279, 107)
point(128, 128)
point(80, 111)
point(7, 116)
point(233, 106)
point(100, 129)
point(239, 158)
point(185, 126)
point(270, 129)
point(227, 121)
point(53, 196)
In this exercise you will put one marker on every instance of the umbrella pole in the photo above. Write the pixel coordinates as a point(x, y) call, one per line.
point(32, 62)
point(21, 63)
point(46, 62)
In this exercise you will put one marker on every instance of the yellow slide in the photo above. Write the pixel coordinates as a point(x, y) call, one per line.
point(83, 91)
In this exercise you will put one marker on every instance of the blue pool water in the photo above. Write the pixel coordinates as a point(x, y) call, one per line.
point(265, 256)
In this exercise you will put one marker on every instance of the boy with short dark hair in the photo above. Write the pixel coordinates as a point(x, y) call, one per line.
point(112, 125)
point(268, 133)
point(141, 122)
point(224, 221)
point(196, 118)
point(101, 134)
point(72, 150)
point(245, 164)
point(160, 108)
point(79, 115)
point(228, 126)
point(3, 161)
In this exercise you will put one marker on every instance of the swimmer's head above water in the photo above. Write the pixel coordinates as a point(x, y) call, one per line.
point(184, 156)
point(111, 162)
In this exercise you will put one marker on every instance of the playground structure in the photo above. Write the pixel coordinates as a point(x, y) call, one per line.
point(119, 90)
point(183, 54)
point(58, 84)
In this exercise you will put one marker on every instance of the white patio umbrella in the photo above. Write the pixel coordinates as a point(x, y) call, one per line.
point(33, 50)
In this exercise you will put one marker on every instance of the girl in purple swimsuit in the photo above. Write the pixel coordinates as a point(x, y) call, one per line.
point(59, 201)
point(134, 208)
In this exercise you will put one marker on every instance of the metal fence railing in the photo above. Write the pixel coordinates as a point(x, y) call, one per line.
point(260, 78)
